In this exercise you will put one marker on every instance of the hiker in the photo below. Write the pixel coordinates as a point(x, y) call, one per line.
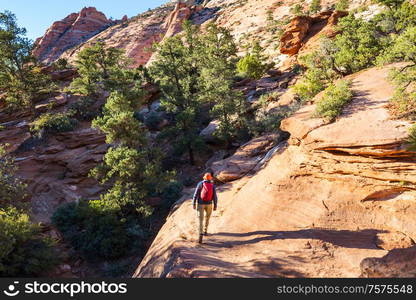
point(204, 201)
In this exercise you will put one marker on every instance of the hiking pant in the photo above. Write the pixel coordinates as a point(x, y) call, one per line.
point(207, 209)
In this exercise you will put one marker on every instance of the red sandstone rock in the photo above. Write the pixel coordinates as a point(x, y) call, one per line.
point(64, 75)
point(303, 28)
point(291, 40)
point(138, 35)
point(393, 240)
point(173, 23)
point(245, 158)
point(69, 32)
point(397, 263)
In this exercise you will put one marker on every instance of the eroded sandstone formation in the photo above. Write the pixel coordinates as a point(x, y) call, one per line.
point(69, 32)
point(303, 28)
point(337, 200)
point(55, 167)
point(137, 35)
point(245, 159)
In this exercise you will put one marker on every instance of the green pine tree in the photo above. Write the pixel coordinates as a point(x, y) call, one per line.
point(100, 68)
point(217, 73)
point(21, 79)
point(177, 71)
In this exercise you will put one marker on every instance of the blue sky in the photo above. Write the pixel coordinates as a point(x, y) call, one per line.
point(37, 15)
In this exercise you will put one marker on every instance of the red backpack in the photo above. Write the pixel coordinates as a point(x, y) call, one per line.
point(207, 191)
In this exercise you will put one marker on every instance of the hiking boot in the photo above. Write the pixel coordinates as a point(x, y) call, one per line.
point(200, 239)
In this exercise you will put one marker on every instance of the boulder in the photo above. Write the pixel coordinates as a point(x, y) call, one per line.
point(83, 137)
point(244, 159)
point(208, 132)
point(64, 75)
point(397, 263)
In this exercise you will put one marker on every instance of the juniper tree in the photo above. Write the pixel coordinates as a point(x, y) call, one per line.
point(12, 188)
point(132, 163)
point(177, 71)
point(217, 73)
point(100, 68)
point(404, 49)
point(21, 79)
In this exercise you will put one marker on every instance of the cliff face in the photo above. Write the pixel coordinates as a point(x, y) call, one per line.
point(55, 167)
point(69, 32)
point(137, 35)
point(247, 20)
point(331, 202)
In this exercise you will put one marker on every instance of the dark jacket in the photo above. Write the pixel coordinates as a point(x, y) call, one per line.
point(197, 195)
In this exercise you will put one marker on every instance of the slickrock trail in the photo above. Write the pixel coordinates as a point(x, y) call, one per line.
point(332, 202)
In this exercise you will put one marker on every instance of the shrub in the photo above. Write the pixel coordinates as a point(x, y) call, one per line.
point(315, 6)
point(310, 85)
point(253, 64)
point(51, 123)
point(354, 49)
point(82, 109)
point(334, 99)
point(250, 66)
point(391, 3)
point(12, 189)
point(403, 102)
point(268, 120)
point(357, 46)
point(320, 70)
point(98, 230)
point(296, 9)
point(172, 192)
point(342, 5)
point(23, 250)
point(62, 64)
point(412, 138)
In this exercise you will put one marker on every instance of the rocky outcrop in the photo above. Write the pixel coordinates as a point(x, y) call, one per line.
point(337, 200)
point(291, 40)
point(56, 170)
point(173, 23)
point(244, 159)
point(397, 263)
point(70, 32)
point(56, 166)
point(137, 35)
point(59, 75)
point(302, 28)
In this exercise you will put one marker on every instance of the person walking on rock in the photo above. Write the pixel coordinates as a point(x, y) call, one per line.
point(205, 201)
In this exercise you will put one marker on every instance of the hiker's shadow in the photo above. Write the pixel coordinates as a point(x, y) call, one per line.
point(361, 239)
